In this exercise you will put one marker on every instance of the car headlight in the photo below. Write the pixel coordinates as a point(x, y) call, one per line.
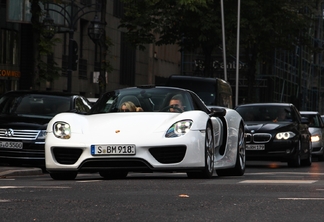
point(179, 128)
point(62, 130)
point(285, 135)
point(315, 138)
point(41, 135)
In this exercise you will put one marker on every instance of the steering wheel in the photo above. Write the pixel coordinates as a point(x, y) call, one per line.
point(173, 107)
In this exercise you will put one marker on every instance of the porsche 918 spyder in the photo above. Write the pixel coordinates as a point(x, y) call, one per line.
point(146, 129)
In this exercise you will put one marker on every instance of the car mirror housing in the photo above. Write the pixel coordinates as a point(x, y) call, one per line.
point(217, 111)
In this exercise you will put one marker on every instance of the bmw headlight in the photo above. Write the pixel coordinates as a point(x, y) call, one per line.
point(62, 130)
point(315, 138)
point(179, 128)
point(285, 135)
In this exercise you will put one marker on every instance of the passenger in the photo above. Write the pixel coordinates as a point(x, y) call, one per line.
point(249, 117)
point(281, 116)
point(177, 102)
point(129, 107)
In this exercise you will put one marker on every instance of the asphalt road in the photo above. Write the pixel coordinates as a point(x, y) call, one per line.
point(268, 191)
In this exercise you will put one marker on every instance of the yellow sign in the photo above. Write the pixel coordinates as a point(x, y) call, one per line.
point(9, 73)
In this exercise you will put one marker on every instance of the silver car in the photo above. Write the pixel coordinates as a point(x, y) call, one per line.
point(316, 128)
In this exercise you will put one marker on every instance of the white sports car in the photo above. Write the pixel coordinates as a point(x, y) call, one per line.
point(161, 138)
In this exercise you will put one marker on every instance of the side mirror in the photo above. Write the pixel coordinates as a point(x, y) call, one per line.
point(217, 112)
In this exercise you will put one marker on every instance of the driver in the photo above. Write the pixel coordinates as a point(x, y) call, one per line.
point(176, 101)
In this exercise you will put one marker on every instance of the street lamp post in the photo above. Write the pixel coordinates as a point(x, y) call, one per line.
point(71, 17)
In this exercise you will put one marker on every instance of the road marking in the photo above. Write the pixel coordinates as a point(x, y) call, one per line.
point(87, 181)
point(279, 181)
point(276, 173)
point(4, 201)
point(304, 198)
point(37, 187)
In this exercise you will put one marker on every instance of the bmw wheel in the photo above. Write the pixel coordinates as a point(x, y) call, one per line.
point(296, 161)
point(308, 160)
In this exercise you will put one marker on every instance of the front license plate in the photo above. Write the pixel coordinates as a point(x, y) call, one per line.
point(114, 149)
point(11, 145)
point(255, 146)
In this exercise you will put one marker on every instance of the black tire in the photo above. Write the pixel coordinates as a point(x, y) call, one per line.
point(296, 160)
point(321, 157)
point(308, 161)
point(240, 163)
point(64, 175)
point(208, 170)
point(109, 175)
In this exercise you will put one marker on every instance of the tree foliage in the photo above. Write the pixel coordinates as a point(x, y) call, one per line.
point(196, 24)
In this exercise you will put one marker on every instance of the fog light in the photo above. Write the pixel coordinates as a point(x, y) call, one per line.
point(287, 151)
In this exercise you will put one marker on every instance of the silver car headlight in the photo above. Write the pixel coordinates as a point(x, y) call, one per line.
point(315, 138)
point(285, 135)
point(62, 130)
point(179, 128)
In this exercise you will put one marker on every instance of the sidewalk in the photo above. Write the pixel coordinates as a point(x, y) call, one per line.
point(19, 171)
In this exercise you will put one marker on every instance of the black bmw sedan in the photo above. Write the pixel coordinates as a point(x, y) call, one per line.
point(24, 116)
point(276, 131)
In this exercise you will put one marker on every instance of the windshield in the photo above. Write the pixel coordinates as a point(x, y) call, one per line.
point(34, 104)
point(146, 100)
point(314, 120)
point(265, 113)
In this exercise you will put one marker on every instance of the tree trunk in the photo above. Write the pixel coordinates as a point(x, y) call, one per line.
point(35, 11)
point(103, 51)
point(208, 71)
point(251, 72)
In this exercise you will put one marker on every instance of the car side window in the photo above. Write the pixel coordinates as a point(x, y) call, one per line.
point(81, 105)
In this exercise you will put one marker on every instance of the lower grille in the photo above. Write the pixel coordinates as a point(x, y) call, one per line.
point(67, 155)
point(116, 164)
point(170, 154)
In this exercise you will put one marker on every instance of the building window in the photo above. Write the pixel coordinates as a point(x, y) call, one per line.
point(127, 62)
point(118, 10)
point(83, 68)
point(8, 47)
point(65, 63)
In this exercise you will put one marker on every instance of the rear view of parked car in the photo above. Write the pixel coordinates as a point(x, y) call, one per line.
point(24, 116)
point(213, 91)
point(316, 128)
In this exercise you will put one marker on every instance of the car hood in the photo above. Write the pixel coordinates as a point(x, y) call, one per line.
point(24, 121)
point(315, 130)
point(265, 127)
point(137, 123)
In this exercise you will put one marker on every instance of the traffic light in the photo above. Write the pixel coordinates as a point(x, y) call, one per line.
point(75, 57)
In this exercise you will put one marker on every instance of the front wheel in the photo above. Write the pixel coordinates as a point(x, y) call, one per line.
point(308, 160)
point(208, 170)
point(239, 168)
point(296, 161)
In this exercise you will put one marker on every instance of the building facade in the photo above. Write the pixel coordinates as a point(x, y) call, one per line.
point(130, 66)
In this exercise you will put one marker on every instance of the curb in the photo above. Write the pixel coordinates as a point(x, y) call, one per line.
point(21, 172)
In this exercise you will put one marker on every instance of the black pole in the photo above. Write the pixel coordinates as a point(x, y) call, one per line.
point(70, 64)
